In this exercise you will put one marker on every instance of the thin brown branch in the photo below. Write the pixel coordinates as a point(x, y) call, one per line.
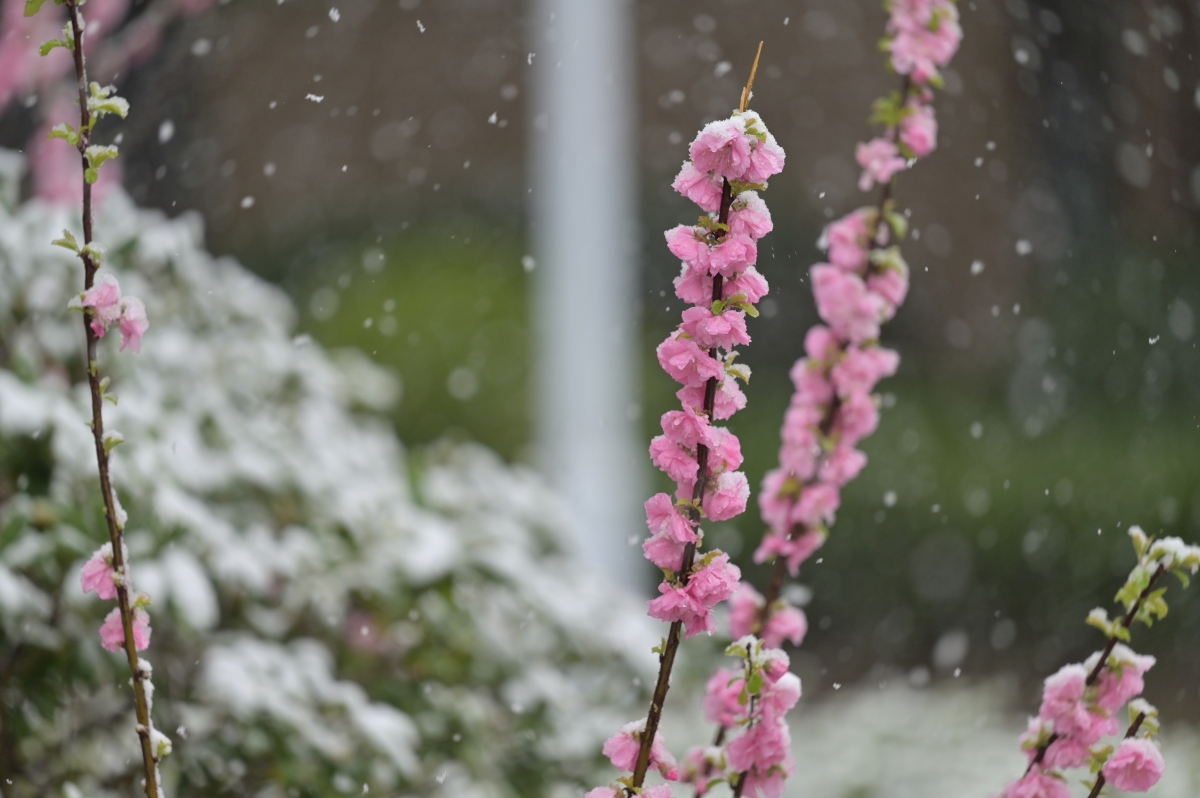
point(115, 532)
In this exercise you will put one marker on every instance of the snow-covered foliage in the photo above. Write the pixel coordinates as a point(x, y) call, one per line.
point(331, 614)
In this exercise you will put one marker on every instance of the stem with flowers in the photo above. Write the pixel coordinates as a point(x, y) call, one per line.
point(730, 162)
point(102, 305)
point(1080, 702)
point(833, 408)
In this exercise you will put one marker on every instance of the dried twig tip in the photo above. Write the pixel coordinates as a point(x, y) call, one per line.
point(750, 82)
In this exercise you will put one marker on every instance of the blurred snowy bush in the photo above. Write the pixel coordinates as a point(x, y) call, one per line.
point(331, 616)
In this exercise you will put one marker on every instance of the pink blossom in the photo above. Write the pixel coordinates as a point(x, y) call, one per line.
point(856, 418)
point(657, 791)
point(880, 159)
point(799, 421)
point(622, 749)
point(817, 505)
point(1064, 704)
point(734, 254)
point(687, 428)
point(1119, 685)
point(745, 610)
point(663, 518)
point(1038, 784)
point(664, 552)
point(841, 465)
point(677, 463)
point(724, 330)
point(730, 497)
point(766, 159)
point(768, 785)
point(749, 216)
point(714, 582)
point(678, 604)
point(766, 156)
point(1065, 753)
point(726, 451)
point(891, 285)
point(133, 323)
point(925, 36)
point(773, 505)
point(847, 240)
point(112, 633)
point(103, 299)
point(778, 696)
point(690, 245)
point(845, 304)
point(605, 792)
point(794, 552)
point(721, 698)
point(728, 400)
point(687, 363)
point(749, 283)
point(813, 389)
point(722, 148)
point(760, 747)
point(862, 367)
point(1135, 766)
point(822, 346)
point(800, 453)
point(98, 574)
point(696, 769)
point(695, 288)
point(699, 187)
point(786, 623)
point(918, 130)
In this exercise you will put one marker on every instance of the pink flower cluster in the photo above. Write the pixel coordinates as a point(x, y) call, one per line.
point(1076, 713)
point(730, 160)
point(99, 574)
point(105, 305)
point(1080, 702)
point(923, 35)
point(833, 408)
point(755, 700)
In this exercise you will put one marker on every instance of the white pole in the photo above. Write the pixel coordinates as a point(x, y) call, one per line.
point(584, 207)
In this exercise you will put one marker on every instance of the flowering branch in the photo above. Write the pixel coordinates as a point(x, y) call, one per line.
point(833, 407)
point(730, 162)
point(1078, 702)
point(107, 572)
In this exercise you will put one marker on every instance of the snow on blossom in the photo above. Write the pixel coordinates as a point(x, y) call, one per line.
point(112, 632)
point(1135, 766)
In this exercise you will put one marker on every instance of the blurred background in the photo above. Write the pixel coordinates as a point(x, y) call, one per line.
point(379, 163)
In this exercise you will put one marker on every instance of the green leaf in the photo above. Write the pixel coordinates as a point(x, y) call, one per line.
point(32, 6)
point(1134, 585)
point(112, 439)
point(98, 154)
point(736, 650)
point(899, 224)
point(67, 241)
point(1183, 577)
point(47, 46)
point(739, 371)
point(95, 251)
point(743, 697)
point(756, 683)
point(64, 131)
point(102, 100)
point(91, 175)
point(739, 186)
